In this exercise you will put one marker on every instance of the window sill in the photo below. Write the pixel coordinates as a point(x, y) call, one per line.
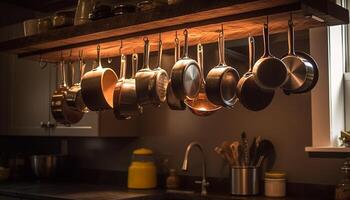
point(328, 149)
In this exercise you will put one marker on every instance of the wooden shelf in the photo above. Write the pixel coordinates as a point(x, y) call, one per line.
point(327, 149)
point(202, 17)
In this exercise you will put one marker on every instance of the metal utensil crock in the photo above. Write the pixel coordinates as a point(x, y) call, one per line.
point(245, 180)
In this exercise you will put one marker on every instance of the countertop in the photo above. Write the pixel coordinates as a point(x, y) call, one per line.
point(69, 191)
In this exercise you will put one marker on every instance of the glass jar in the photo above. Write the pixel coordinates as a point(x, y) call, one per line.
point(342, 190)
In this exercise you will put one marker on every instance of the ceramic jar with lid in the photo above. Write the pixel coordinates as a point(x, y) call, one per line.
point(275, 184)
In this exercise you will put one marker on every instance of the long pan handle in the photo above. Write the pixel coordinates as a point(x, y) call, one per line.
point(200, 59)
point(177, 48)
point(251, 48)
point(122, 66)
point(186, 44)
point(266, 38)
point(134, 64)
point(221, 44)
point(146, 53)
point(82, 65)
point(160, 51)
point(291, 37)
point(99, 56)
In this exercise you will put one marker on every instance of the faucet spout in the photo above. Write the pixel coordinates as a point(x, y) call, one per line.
point(185, 165)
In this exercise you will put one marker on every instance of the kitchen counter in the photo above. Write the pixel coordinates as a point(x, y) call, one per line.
point(64, 191)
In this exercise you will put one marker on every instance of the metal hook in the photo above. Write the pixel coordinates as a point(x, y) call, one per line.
point(109, 60)
point(121, 46)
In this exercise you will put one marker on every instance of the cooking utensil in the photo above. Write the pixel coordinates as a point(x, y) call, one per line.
point(160, 79)
point(186, 76)
point(127, 99)
point(173, 102)
point(222, 80)
point(220, 152)
point(269, 71)
point(264, 150)
point(60, 110)
point(63, 18)
point(97, 86)
point(73, 97)
point(201, 106)
point(301, 71)
point(30, 27)
point(84, 7)
point(118, 88)
point(245, 146)
point(249, 93)
point(234, 148)
point(144, 78)
point(225, 146)
point(145, 5)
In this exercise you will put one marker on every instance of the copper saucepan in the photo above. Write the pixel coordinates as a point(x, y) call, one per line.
point(97, 86)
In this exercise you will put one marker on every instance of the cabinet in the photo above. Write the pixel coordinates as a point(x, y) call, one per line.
point(9, 198)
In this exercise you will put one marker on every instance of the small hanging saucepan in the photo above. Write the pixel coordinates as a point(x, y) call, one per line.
point(185, 76)
point(201, 106)
point(74, 98)
point(249, 93)
point(118, 88)
point(173, 102)
point(97, 86)
point(302, 69)
point(60, 110)
point(222, 80)
point(160, 81)
point(269, 71)
point(144, 78)
point(127, 105)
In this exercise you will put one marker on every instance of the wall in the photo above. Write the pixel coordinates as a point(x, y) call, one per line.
point(287, 123)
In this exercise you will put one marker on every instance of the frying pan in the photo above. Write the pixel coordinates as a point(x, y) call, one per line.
point(74, 98)
point(269, 71)
point(118, 88)
point(160, 79)
point(173, 102)
point(301, 71)
point(127, 101)
point(222, 80)
point(201, 106)
point(60, 110)
point(249, 93)
point(144, 78)
point(185, 75)
point(97, 86)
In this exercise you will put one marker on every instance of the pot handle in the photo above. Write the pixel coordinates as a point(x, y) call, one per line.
point(251, 48)
point(134, 64)
point(99, 57)
point(82, 65)
point(160, 51)
point(186, 44)
point(177, 48)
point(63, 74)
point(221, 44)
point(266, 38)
point(146, 53)
point(291, 37)
point(122, 62)
point(200, 59)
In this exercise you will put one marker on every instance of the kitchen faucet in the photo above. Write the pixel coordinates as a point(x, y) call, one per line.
point(185, 165)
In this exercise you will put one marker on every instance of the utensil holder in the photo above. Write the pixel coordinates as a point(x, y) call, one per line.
point(245, 180)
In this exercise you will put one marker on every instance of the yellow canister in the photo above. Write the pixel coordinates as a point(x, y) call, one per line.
point(142, 173)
